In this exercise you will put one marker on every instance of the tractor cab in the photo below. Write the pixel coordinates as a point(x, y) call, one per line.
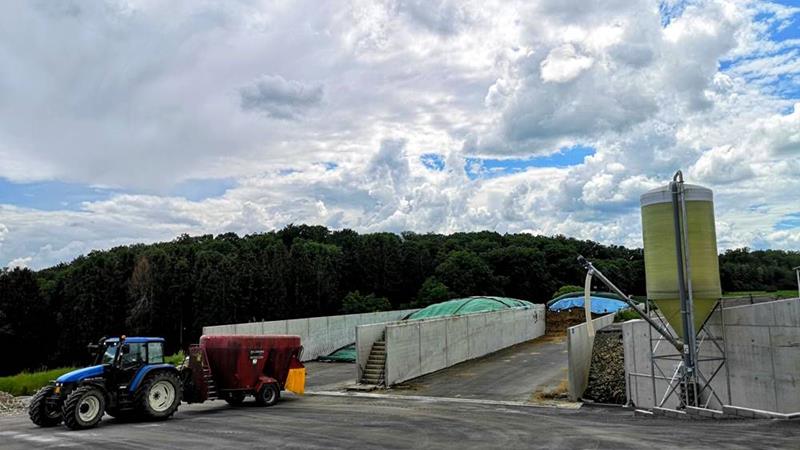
point(126, 356)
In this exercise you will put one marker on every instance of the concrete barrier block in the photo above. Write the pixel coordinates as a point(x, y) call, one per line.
point(761, 314)
point(248, 328)
point(457, 340)
point(337, 332)
point(785, 343)
point(298, 327)
point(433, 345)
point(402, 352)
point(351, 322)
point(787, 312)
point(274, 327)
point(476, 331)
point(750, 362)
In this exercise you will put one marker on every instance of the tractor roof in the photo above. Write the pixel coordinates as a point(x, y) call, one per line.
point(137, 339)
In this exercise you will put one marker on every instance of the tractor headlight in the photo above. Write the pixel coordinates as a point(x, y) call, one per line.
point(57, 389)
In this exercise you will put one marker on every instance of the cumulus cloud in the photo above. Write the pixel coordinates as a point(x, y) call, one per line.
point(321, 113)
point(563, 64)
point(277, 97)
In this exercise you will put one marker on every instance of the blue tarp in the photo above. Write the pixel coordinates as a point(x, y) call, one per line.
point(600, 305)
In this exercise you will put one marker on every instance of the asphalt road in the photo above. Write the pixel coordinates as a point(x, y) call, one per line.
point(316, 421)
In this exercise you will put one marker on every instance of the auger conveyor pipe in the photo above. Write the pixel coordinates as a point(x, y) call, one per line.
point(661, 330)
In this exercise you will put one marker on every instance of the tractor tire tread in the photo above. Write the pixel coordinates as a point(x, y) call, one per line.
point(140, 399)
point(68, 409)
point(37, 410)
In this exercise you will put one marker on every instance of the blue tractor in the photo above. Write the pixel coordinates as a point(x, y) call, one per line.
point(129, 379)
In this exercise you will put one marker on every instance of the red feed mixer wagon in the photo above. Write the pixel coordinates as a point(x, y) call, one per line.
point(231, 367)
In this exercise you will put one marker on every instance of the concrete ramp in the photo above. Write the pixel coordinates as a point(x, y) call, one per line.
point(418, 347)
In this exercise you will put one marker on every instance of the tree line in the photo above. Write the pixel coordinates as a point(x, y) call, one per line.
point(173, 289)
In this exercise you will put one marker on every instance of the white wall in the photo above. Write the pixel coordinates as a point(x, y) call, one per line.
point(579, 354)
point(319, 335)
point(418, 347)
point(762, 343)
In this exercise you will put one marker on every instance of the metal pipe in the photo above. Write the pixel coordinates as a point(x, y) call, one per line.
point(662, 331)
point(676, 216)
point(797, 271)
point(690, 334)
point(587, 303)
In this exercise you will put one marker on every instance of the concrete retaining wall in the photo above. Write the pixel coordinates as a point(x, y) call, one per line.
point(320, 335)
point(579, 354)
point(419, 347)
point(762, 344)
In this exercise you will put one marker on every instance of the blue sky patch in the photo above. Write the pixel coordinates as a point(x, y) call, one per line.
point(488, 168)
point(788, 222)
point(433, 161)
point(329, 165)
point(670, 11)
point(50, 195)
point(200, 189)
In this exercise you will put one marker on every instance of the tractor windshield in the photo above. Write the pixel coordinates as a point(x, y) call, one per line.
point(110, 353)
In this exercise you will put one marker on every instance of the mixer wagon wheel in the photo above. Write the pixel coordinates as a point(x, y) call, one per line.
point(159, 396)
point(235, 398)
point(268, 395)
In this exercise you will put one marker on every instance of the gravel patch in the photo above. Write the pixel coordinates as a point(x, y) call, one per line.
point(607, 372)
point(10, 405)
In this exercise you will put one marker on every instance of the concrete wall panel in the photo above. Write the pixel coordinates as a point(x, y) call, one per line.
point(579, 354)
point(457, 340)
point(402, 352)
point(433, 345)
point(248, 328)
point(443, 342)
point(762, 343)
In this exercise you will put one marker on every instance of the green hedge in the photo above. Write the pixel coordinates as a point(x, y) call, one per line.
point(27, 383)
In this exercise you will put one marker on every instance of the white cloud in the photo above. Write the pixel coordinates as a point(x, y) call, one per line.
point(145, 95)
point(563, 64)
point(277, 97)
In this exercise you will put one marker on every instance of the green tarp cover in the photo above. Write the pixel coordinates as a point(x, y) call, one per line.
point(469, 305)
point(345, 354)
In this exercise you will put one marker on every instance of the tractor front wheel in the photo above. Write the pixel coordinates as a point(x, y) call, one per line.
point(84, 407)
point(268, 395)
point(40, 413)
point(159, 396)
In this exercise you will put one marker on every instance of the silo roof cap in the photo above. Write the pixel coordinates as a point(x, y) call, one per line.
point(663, 194)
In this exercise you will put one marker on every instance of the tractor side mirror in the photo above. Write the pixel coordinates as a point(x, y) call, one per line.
point(125, 349)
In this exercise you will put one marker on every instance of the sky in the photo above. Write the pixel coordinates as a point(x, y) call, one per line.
point(140, 120)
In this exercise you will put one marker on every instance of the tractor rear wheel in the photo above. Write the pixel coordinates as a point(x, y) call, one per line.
point(84, 407)
point(268, 395)
point(235, 398)
point(40, 412)
point(159, 396)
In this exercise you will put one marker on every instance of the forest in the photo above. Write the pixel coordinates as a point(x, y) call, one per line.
point(172, 289)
